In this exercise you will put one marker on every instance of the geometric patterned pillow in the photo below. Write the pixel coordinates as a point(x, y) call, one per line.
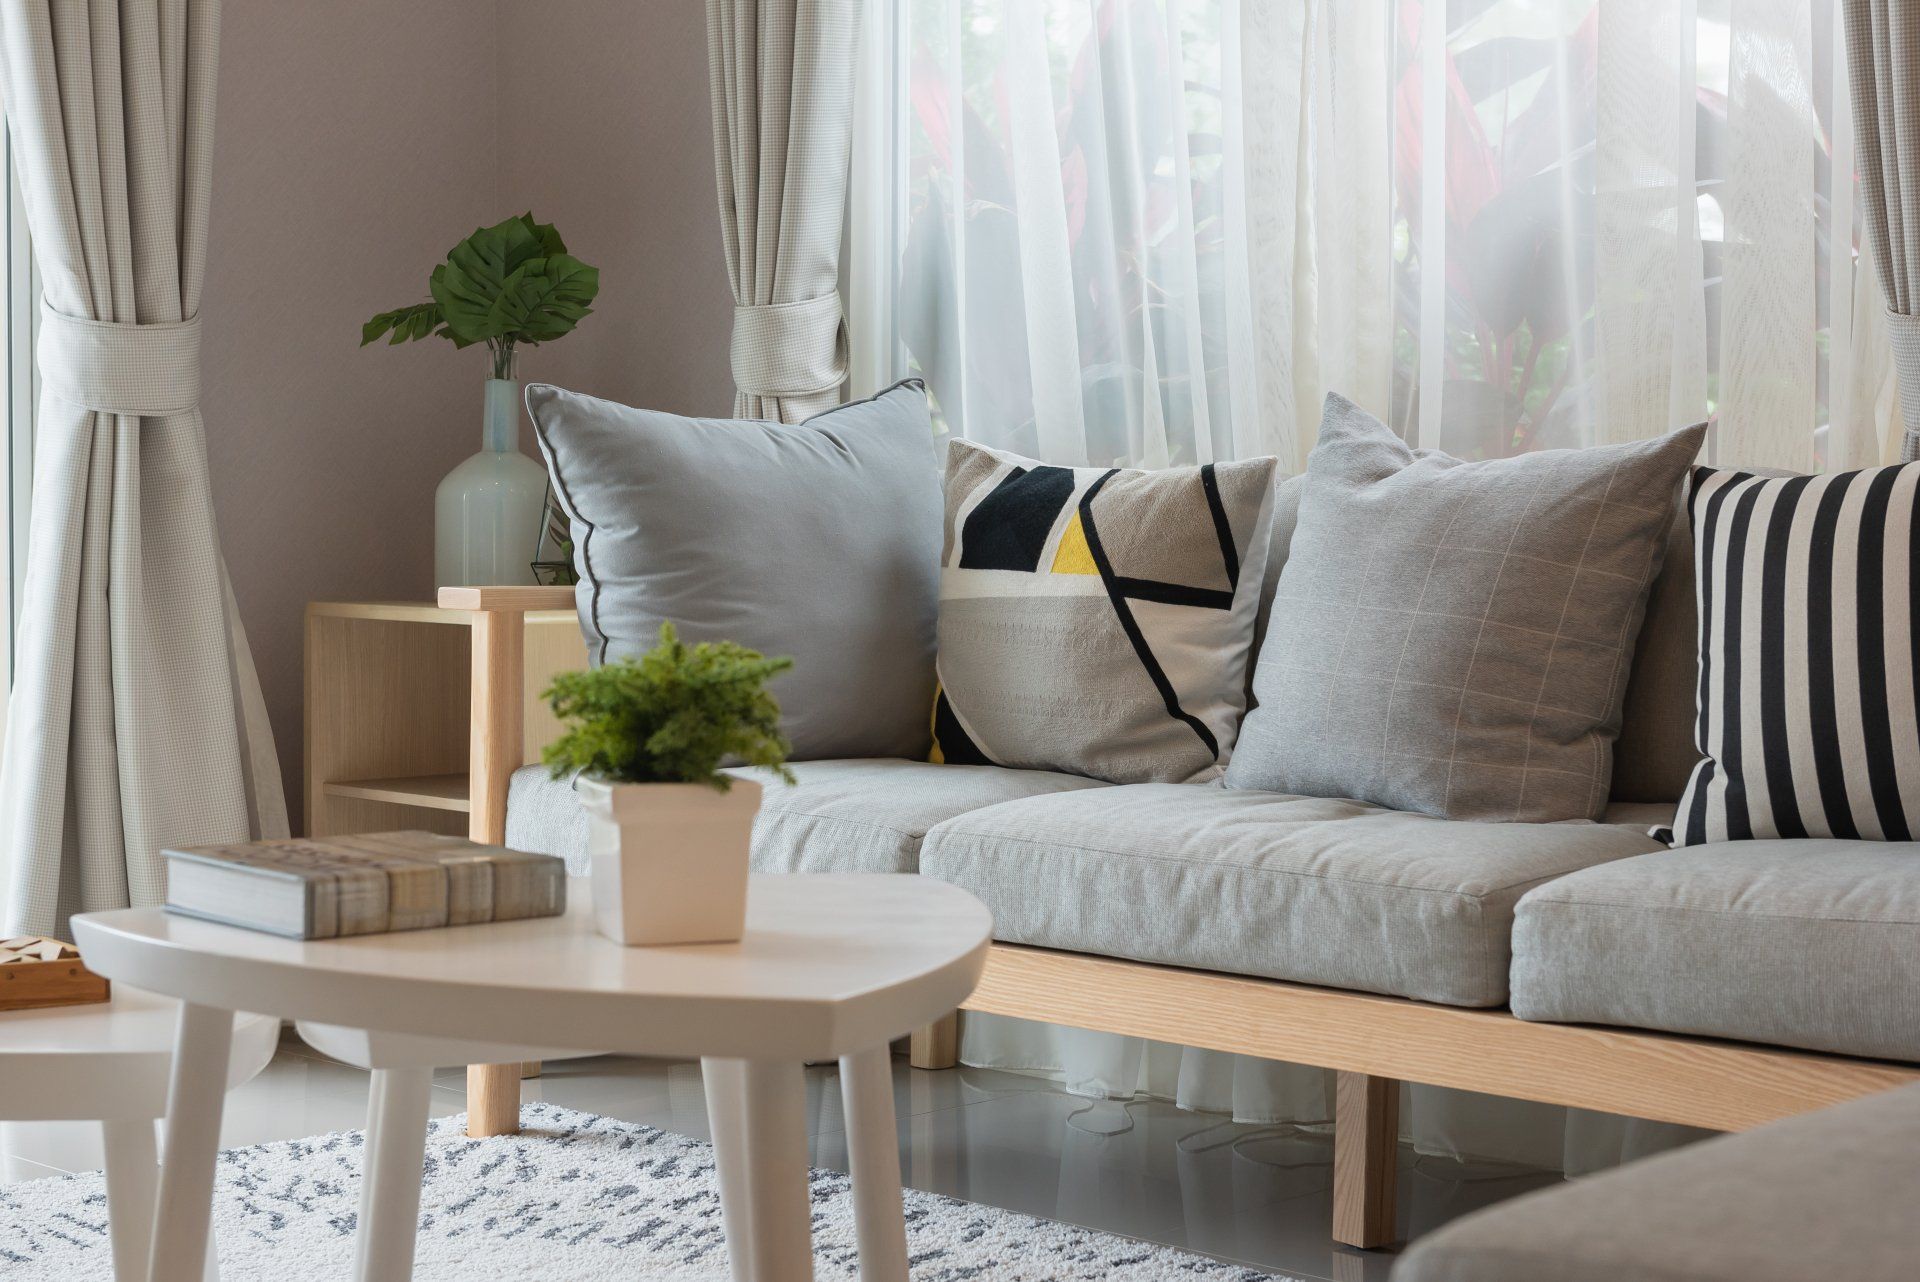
point(1809, 657)
point(1097, 620)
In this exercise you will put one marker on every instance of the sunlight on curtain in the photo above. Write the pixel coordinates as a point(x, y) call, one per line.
point(1064, 259)
point(1156, 232)
point(1639, 229)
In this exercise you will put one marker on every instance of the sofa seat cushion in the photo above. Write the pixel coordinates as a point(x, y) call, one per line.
point(1313, 889)
point(1812, 943)
point(1824, 1195)
point(864, 815)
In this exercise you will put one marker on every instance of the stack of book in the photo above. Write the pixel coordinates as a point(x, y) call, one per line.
point(322, 888)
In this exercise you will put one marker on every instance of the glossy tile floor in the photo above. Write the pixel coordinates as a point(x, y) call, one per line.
point(1256, 1195)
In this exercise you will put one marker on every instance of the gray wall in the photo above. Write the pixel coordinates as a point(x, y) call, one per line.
point(605, 131)
point(358, 140)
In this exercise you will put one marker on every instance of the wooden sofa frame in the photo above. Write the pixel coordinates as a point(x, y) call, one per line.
point(1372, 1043)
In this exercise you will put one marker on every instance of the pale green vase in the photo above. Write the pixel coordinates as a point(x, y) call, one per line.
point(487, 512)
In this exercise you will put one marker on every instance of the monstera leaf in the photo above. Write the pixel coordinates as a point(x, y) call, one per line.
point(510, 283)
point(405, 324)
point(513, 281)
point(543, 298)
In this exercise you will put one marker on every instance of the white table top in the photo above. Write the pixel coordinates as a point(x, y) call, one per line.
point(831, 963)
point(132, 1023)
point(107, 1059)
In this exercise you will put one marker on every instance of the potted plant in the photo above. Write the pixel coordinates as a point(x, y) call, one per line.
point(509, 286)
point(667, 832)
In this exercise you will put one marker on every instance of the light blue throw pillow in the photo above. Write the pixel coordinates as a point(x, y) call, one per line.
point(820, 541)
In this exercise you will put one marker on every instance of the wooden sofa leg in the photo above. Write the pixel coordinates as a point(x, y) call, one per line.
point(937, 1045)
point(1366, 1149)
point(493, 1100)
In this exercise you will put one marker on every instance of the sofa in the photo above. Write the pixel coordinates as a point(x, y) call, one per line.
point(1578, 963)
point(1823, 1195)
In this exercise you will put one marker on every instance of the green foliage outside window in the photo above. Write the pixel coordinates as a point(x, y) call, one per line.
point(670, 716)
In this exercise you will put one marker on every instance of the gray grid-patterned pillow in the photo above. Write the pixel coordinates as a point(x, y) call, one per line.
point(1454, 638)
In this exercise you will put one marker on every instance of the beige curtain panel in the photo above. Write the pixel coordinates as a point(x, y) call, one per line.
point(1883, 65)
point(781, 76)
point(136, 719)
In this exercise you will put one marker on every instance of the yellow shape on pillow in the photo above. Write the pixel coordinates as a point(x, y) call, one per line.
point(1074, 556)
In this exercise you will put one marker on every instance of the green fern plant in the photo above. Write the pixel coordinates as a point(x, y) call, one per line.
point(670, 716)
point(505, 285)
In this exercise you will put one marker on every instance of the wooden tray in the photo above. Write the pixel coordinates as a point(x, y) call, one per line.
point(36, 971)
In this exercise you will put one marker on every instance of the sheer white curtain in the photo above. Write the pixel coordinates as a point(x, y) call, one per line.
point(1156, 232)
point(1069, 227)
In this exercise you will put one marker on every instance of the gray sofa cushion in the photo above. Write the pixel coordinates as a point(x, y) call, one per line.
point(820, 541)
point(841, 816)
point(1286, 515)
point(1824, 1195)
point(1654, 756)
point(1312, 889)
point(1798, 943)
point(1453, 637)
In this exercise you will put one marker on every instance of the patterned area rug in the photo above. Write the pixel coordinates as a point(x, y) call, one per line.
point(573, 1198)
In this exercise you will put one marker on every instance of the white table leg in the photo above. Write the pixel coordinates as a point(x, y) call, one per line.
point(196, 1096)
point(133, 1177)
point(390, 1174)
point(873, 1153)
point(780, 1216)
point(725, 1081)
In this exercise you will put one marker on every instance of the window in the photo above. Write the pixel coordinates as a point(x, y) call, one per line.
point(1158, 231)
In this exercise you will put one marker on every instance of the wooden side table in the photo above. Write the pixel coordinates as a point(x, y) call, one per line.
point(417, 715)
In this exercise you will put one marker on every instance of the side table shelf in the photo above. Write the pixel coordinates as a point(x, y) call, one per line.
point(389, 711)
point(430, 792)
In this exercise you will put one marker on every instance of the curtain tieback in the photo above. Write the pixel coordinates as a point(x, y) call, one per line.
point(1903, 336)
point(790, 349)
point(152, 370)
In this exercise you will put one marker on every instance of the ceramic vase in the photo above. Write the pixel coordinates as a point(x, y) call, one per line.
point(669, 860)
point(487, 512)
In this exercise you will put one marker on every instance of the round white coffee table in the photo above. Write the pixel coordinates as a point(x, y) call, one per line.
point(833, 967)
point(108, 1063)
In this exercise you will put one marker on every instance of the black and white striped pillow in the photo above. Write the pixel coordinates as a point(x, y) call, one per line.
point(1808, 588)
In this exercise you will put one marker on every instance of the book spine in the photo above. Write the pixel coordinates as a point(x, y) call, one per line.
point(323, 907)
point(363, 898)
point(529, 888)
point(469, 891)
point(416, 896)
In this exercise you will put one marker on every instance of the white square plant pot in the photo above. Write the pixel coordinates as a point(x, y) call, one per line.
point(669, 860)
